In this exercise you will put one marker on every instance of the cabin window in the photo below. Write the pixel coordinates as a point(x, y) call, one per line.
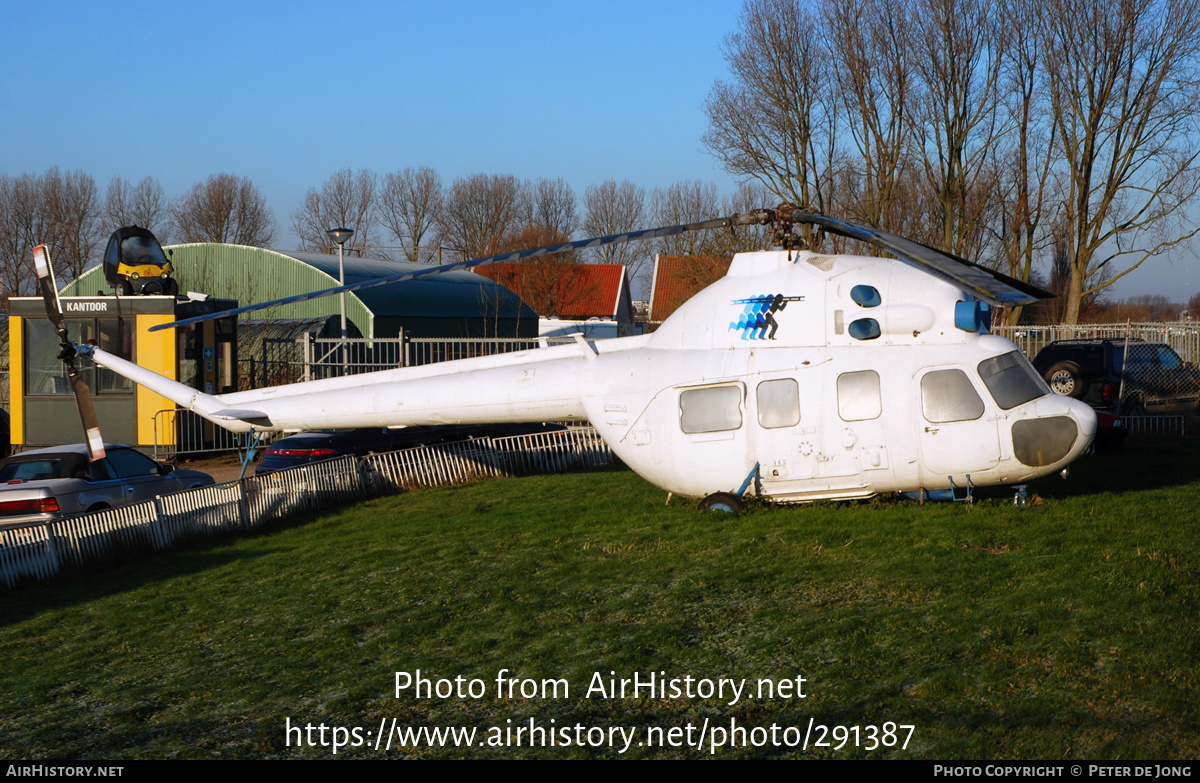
point(1012, 380)
point(864, 329)
point(858, 396)
point(712, 409)
point(778, 403)
point(947, 395)
point(866, 296)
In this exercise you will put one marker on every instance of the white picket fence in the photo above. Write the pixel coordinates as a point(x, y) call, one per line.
point(41, 551)
point(471, 460)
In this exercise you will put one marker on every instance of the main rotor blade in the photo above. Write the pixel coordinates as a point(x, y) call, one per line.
point(650, 233)
point(988, 284)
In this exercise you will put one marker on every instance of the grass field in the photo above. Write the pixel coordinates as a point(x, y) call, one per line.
point(1064, 630)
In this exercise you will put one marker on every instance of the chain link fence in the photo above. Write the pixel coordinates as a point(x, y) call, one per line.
point(1182, 336)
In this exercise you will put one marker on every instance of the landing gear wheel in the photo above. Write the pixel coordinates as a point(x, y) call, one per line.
point(1066, 378)
point(722, 501)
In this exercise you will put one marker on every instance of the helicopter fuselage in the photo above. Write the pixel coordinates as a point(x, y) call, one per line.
point(826, 376)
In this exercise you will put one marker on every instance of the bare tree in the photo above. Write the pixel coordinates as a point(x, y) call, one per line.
point(60, 210)
point(549, 284)
point(875, 81)
point(410, 203)
point(1123, 83)
point(958, 62)
point(72, 207)
point(1059, 282)
point(1024, 160)
point(551, 203)
point(611, 209)
point(346, 200)
point(481, 213)
point(142, 205)
point(1193, 307)
point(223, 208)
point(748, 197)
point(774, 122)
point(26, 224)
point(685, 202)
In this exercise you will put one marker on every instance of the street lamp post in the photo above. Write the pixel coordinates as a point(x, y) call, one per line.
point(340, 235)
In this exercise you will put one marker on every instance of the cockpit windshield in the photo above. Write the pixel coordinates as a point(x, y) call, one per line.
point(1012, 380)
point(139, 251)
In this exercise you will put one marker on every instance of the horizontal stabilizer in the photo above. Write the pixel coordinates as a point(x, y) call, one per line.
point(239, 414)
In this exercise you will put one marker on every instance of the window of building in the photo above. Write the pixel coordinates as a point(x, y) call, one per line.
point(47, 375)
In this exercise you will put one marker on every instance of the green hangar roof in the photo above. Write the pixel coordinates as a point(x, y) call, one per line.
point(452, 304)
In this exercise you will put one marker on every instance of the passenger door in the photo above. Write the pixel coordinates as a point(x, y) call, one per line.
point(957, 430)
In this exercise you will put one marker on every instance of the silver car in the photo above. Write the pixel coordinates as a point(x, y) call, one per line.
point(43, 485)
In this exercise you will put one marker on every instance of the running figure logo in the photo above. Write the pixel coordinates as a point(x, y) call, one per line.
point(759, 315)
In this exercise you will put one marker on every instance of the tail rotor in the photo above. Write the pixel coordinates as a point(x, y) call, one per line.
point(83, 396)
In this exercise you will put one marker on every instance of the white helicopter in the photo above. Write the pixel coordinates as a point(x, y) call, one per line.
point(799, 376)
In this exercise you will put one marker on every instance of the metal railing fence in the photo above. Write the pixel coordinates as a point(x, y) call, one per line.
point(1182, 336)
point(41, 551)
point(285, 361)
point(179, 431)
point(332, 357)
point(1155, 425)
point(427, 350)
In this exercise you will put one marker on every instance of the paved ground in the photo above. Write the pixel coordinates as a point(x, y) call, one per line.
point(222, 469)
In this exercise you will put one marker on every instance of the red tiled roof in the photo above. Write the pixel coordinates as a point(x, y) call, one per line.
point(679, 278)
point(570, 291)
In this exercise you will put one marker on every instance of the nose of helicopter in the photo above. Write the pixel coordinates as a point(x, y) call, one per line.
point(1061, 430)
point(1085, 419)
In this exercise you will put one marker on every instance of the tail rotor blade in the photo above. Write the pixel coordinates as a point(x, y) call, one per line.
point(83, 395)
point(87, 414)
point(47, 287)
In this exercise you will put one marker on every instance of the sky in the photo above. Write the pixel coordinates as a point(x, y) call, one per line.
point(287, 93)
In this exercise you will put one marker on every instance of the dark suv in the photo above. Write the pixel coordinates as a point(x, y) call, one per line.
point(1154, 379)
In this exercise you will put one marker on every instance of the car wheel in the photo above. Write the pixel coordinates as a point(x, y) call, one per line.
point(172, 286)
point(1066, 378)
point(124, 288)
point(1135, 407)
point(722, 501)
